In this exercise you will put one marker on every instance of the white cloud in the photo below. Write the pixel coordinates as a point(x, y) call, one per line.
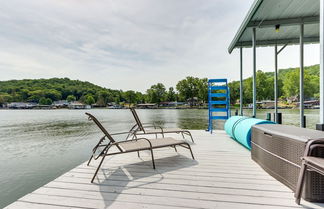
point(126, 44)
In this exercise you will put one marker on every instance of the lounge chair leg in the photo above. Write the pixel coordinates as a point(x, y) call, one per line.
point(152, 159)
point(89, 160)
point(138, 154)
point(103, 157)
point(128, 135)
point(156, 136)
point(191, 152)
point(300, 183)
point(182, 135)
point(175, 148)
point(191, 137)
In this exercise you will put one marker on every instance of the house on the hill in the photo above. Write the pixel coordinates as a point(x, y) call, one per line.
point(21, 105)
point(61, 103)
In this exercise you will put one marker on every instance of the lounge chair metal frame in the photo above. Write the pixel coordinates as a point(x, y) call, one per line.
point(309, 163)
point(140, 128)
point(113, 143)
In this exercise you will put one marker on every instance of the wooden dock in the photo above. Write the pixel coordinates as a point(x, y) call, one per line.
point(222, 176)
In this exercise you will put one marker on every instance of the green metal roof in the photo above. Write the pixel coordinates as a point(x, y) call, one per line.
point(289, 14)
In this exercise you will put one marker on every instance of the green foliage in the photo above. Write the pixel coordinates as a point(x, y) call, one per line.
point(156, 93)
point(71, 98)
point(140, 98)
point(291, 84)
point(89, 100)
point(311, 83)
point(103, 97)
point(265, 86)
point(234, 91)
point(45, 101)
point(171, 95)
point(32, 90)
point(191, 87)
point(288, 85)
point(130, 96)
point(5, 97)
point(45, 91)
point(203, 89)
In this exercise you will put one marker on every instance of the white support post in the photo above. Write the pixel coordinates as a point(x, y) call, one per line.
point(301, 81)
point(320, 126)
point(276, 83)
point(241, 81)
point(254, 70)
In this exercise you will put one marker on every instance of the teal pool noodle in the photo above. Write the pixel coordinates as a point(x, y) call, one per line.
point(231, 123)
point(242, 131)
point(239, 128)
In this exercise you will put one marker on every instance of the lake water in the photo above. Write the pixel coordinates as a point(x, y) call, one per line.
point(37, 146)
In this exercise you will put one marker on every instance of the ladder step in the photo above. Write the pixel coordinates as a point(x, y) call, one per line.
point(218, 95)
point(219, 110)
point(218, 102)
point(219, 117)
point(217, 80)
point(218, 87)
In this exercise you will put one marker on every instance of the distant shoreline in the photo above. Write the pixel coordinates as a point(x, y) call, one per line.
point(162, 108)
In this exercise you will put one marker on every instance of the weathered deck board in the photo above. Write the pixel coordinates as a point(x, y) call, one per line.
point(222, 176)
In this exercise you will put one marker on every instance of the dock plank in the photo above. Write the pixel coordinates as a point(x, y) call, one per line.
point(222, 176)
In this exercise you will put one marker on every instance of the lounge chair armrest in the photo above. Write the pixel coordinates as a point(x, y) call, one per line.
point(120, 133)
point(134, 127)
point(154, 124)
point(156, 127)
point(126, 141)
point(313, 147)
point(311, 144)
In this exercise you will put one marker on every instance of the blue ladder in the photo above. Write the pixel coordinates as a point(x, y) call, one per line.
point(218, 101)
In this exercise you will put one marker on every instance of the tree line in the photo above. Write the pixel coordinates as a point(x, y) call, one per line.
point(288, 85)
point(191, 90)
point(45, 91)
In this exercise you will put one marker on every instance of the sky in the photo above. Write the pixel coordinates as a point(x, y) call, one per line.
point(129, 44)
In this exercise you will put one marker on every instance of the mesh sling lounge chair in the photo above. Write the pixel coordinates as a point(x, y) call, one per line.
point(141, 128)
point(134, 145)
point(309, 162)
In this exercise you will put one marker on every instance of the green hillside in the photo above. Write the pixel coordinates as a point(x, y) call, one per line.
point(45, 91)
point(48, 90)
point(288, 83)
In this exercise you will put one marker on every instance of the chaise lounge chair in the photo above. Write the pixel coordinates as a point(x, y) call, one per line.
point(309, 162)
point(141, 128)
point(134, 145)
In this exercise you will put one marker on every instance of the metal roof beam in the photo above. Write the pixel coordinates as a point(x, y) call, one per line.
point(277, 41)
point(288, 21)
point(282, 48)
point(256, 4)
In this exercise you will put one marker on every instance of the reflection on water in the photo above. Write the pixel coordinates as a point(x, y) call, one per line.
point(37, 146)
